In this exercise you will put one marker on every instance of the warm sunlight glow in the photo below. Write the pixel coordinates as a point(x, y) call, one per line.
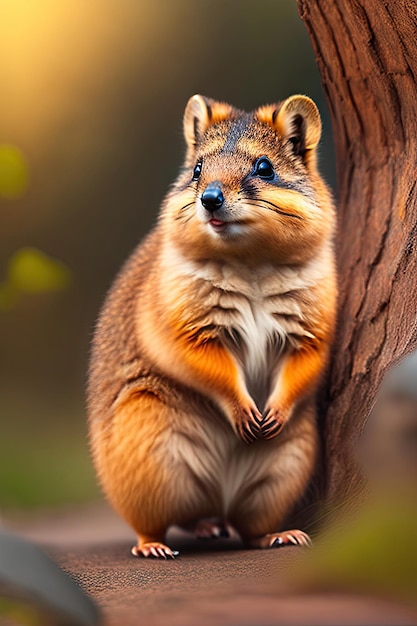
point(58, 56)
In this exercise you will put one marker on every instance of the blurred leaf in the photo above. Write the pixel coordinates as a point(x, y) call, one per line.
point(8, 296)
point(32, 271)
point(13, 172)
point(373, 551)
point(18, 613)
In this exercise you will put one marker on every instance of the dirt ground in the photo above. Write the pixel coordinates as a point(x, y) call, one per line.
point(210, 583)
point(219, 582)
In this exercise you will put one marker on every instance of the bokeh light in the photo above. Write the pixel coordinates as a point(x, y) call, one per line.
point(32, 271)
point(13, 172)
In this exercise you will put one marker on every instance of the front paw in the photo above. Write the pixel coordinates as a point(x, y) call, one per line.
point(273, 421)
point(247, 421)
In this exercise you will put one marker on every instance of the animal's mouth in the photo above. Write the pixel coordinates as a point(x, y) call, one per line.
point(218, 225)
point(227, 227)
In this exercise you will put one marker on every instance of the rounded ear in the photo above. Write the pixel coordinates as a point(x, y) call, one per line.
point(200, 113)
point(197, 117)
point(298, 120)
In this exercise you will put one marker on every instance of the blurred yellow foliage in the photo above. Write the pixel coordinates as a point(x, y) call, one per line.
point(19, 612)
point(13, 172)
point(32, 271)
point(373, 550)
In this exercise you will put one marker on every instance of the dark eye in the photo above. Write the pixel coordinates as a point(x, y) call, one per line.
point(197, 170)
point(264, 169)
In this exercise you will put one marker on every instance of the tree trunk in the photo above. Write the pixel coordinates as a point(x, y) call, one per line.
point(366, 51)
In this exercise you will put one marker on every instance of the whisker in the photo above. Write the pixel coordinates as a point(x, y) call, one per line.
point(187, 206)
point(184, 218)
point(183, 209)
point(265, 204)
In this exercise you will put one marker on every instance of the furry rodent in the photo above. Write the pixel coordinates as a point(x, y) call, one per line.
point(212, 341)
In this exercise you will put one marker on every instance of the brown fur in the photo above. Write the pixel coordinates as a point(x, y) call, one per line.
point(210, 340)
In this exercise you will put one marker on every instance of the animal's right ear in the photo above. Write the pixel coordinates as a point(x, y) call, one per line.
point(200, 113)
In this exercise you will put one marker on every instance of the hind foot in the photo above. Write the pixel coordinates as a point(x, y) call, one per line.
point(277, 540)
point(212, 529)
point(154, 550)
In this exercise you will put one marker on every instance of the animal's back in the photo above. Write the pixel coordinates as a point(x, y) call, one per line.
point(115, 348)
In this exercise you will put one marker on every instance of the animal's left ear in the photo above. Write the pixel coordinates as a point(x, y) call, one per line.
point(296, 120)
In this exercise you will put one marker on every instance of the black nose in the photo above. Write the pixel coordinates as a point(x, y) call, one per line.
point(212, 198)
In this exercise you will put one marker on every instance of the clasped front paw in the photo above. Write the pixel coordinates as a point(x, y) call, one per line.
point(251, 425)
point(272, 422)
point(247, 423)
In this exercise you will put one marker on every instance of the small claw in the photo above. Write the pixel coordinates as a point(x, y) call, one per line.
point(250, 437)
point(276, 542)
point(305, 538)
point(242, 434)
point(253, 429)
point(285, 538)
point(257, 416)
point(272, 433)
point(272, 412)
point(156, 551)
point(271, 424)
point(268, 427)
point(220, 531)
point(264, 415)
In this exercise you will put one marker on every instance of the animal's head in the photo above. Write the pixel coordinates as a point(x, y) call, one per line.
point(249, 187)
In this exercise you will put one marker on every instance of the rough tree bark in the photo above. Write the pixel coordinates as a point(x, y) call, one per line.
point(366, 51)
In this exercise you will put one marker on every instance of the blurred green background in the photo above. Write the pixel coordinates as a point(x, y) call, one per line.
point(92, 97)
